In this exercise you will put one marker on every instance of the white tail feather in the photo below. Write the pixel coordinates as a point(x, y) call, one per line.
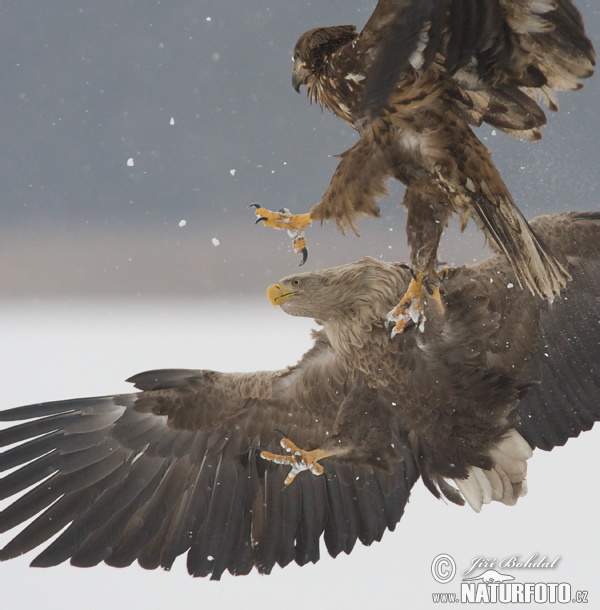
point(505, 482)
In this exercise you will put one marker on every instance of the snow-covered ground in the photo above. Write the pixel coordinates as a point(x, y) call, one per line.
point(53, 350)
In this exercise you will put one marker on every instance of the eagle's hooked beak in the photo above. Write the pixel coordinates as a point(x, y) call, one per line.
point(279, 294)
point(299, 74)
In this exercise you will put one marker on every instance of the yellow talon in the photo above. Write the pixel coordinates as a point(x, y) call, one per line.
point(435, 295)
point(299, 245)
point(413, 292)
point(298, 459)
point(284, 219)
point(294, 224)
point(412, 305)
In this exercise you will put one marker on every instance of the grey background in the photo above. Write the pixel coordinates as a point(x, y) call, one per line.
point(88, 85)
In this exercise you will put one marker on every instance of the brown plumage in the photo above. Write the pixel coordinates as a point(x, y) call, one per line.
point(176, 467)
point(412, 82)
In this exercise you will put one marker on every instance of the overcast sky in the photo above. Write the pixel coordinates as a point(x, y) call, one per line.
point(197, 96)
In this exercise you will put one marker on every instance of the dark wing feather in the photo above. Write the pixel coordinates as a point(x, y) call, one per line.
point(555, 346)
point(562, 379)
point(482, 44)
point(176, 468)
point(500, 351)
point(389, 38)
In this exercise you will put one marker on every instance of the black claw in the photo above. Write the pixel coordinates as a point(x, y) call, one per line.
point(304, 256)
point(414, 275)
point(254, 205)
point(261, 219)
point(428, 287)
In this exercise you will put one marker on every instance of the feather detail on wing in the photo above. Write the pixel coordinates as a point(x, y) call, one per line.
point(176, 468)
point(554, 407)
point(532, 262)
point(500, 50)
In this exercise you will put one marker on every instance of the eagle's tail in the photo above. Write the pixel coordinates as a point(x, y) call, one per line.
point(533, 263)
point(506, 481)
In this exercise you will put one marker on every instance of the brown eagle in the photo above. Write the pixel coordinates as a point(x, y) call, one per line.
point(178, 467)
point(412, 83)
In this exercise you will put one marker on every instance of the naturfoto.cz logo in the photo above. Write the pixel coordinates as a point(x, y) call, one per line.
point(486, 581)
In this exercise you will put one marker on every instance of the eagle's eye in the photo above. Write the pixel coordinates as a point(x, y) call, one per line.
point(295, 282)
point(296, 54)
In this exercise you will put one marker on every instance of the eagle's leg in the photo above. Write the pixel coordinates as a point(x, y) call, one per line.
point(299, 459)
point(431, 281)
point(425, 224)
point(294, 224)
point(410, 308)
point(423, 288)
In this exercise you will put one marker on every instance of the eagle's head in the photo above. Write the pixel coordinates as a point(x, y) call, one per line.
point(314, 48)
point(367, 288)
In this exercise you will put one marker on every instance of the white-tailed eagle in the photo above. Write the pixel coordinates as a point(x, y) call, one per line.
point(179, 467)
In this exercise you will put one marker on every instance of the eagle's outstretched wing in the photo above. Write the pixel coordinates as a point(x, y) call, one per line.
point(555, 407)
point(176, 468)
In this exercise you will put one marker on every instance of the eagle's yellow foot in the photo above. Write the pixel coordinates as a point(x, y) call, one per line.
point(299, 459)
point(411, 309)
point(294, 224)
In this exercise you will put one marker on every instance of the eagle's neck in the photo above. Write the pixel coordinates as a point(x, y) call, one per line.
point(356, 328)
point(359, 336)
point(330, 93)
point(364, 348)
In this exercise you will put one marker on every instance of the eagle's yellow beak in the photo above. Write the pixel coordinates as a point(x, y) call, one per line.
point(278, 294)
